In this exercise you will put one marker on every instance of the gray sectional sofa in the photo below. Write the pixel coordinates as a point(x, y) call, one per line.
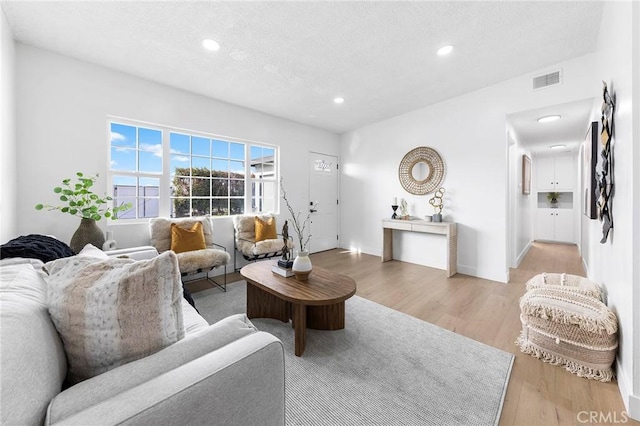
point(228, 373)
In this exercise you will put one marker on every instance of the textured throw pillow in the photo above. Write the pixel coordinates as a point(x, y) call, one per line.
point(187, 239)
point(93, 252)
point(114, 311)
point(265, 229)
point(88, 252)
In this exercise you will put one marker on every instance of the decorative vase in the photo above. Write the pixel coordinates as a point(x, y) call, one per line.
point(553, 203)
point(436, 217)
point(87, 233)
point(302, 266)
point(394, 215)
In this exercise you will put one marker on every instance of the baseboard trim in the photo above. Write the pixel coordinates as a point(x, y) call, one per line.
point(523, 254)
point(631, 401)
point(462, 269)
point(634, 407)
point(487, 275)
point(585, 266)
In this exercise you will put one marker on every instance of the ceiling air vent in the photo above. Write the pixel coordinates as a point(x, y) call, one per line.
point(547, 80)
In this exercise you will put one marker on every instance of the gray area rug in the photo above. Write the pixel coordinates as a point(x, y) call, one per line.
point(384, 368)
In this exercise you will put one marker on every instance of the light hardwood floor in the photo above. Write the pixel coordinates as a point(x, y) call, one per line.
point(488, 311)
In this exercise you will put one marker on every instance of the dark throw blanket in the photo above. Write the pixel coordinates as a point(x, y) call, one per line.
point(35, 246)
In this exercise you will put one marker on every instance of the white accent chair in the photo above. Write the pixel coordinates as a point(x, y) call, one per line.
point(196, 261)
point(245, 240)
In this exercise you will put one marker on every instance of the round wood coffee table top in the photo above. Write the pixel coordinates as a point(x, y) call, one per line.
point(323, 287)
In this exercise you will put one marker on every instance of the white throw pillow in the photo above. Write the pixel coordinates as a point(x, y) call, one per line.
point(113, 311)
point(92, 251)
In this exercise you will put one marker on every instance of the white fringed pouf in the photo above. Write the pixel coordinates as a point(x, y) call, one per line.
point(569, 282)
point(563, 327)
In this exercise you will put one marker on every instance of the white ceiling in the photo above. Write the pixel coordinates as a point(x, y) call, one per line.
point(569, 130)
point(290, 59)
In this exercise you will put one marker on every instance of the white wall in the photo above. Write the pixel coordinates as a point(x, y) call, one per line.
point(634, 401)
point(615, 263)
point(8, 177)
point(62, 109)
point(469, 132)
point(522, 207)
point(525, 208)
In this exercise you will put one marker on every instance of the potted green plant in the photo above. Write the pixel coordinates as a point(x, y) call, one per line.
point(79, 200)
point(553, 198)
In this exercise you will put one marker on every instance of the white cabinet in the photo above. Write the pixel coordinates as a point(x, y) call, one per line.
point(564, 173)
point(555, 173)
point(564, 225)
point(545, 173)
point(554, 225)
point(545, 224)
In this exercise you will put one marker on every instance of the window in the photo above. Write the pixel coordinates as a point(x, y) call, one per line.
point(264, 189)
point(136, 169)
point(177, 173)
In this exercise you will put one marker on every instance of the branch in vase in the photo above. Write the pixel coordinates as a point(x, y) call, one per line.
point(295, 218)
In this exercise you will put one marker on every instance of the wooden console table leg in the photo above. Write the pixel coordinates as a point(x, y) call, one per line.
point(452, 251)
point(387, 244)
point(300, 321)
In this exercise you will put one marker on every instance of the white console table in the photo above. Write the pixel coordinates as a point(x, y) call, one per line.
point(448, 229)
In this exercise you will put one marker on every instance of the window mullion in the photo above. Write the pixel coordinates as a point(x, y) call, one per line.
point(248, 181)
point(165, 179)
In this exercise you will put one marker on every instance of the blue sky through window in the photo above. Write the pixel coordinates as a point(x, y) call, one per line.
point(136, 149)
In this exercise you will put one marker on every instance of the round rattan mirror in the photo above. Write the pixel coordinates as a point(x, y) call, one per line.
point(421, 171)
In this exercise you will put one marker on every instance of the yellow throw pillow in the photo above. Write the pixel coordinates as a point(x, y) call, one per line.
point(187, 239)
point(265, 230)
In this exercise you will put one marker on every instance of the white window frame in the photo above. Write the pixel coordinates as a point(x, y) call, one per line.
point(165, 176)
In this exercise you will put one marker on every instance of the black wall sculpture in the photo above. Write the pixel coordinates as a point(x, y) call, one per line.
point(605, 177)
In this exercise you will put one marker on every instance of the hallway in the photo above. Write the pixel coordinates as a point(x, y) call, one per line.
point(548, 257)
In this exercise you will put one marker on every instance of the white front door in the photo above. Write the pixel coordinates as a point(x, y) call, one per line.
point(323, 202)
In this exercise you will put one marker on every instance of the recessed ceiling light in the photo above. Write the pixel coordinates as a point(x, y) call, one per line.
point(210, 44)
point(445, 50)
point(338, 100)
point(558, 146)
point(548, 118)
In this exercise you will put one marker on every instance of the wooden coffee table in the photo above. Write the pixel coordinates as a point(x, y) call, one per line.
point(317, 303)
